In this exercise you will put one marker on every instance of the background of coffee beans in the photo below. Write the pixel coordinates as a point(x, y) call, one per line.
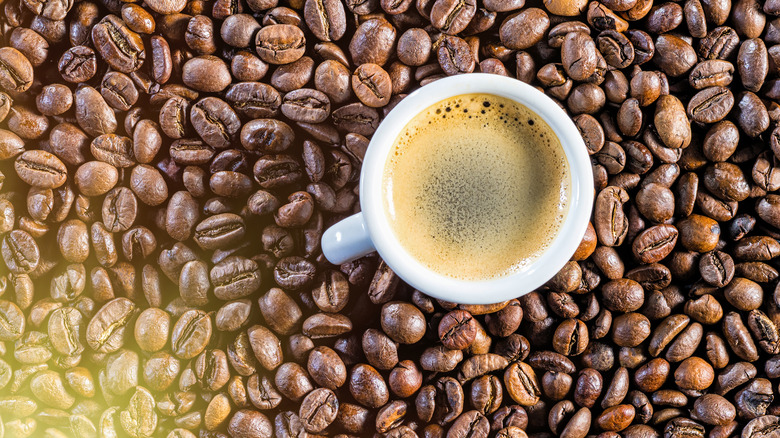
point(167, 168)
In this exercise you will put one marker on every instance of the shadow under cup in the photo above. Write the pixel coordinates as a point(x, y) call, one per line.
point(499, 288)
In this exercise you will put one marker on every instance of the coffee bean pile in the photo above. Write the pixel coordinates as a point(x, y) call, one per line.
point(167, 169)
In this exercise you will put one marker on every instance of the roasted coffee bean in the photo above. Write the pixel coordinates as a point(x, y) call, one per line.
point(318, 409)
point(454, 56)
point(294, 272)
point(610, 222)
point(11, 144)
point(726, 181)
point(524, 29)
point(95, 178)
point(199, 35)
point(374, 40)
point(152, 329)
point(119, 46)
point(245, 422)
point(623, 295)
point(645, 87)
point(371, 85)
point(756, 271)
point(655, 202)
point(78, 64)
point(138, 19)
point(381, 352)
point(112, 149)
point(743, 294)
point(306, 105)
point(711, 73)
point(267, 135)
point(579, 56)
point(721, 141)
point(148, 185)
point(655, 243)
point(332, 292)
point(664, 18)
point(440, 359)
point(41, 169)
point(279, 311)
point(191, 333)
point(194, 283)
point(326, 368)
point(699, 233)
point(254, 99)
point(333, 78)
point(14, 324)
point(120, 208)
point(670, 123)
point(27, 124)
point(471, 423)
point(294, 75)
point(233, 315)
point(327, 20)
point(682, 62)
point(191, 151)
point(280, 43)
point(452, 17)
point(219, 231)
point(119, 91)
point(717, 268)
point(521, 384)
point(356, 118)
point(630, 329)
point(73, 241)
point(368, 387)
point(571, 337)
point(756, 248)
point(457, 330)
point(215, 121)
point(237, 30)
point(93, 114)
point(761, 426)
point(751, 114)
point(17, 71)
point(173, 117)
point(278, 15)
point(234, 277)
point(106, 330)
point(719, 43)
point(206, 73)
point(711, 104)
point(22, 255)
point(752, 63)
point(586, 98)
point(414, 47)
point(752, 401)
point(34, 47)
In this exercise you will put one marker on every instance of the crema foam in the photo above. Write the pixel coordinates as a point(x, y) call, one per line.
point(477, 187)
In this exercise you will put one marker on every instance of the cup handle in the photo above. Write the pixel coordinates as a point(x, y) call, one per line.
point(347, 240)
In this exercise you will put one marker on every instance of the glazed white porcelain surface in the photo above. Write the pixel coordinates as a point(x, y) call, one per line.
point(370, 230)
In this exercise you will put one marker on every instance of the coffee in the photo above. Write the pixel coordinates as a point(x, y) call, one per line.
point(477, 178)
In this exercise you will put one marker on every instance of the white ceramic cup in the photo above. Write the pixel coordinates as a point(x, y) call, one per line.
point(370, 230)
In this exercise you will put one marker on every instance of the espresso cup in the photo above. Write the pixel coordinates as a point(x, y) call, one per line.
point(370, 230)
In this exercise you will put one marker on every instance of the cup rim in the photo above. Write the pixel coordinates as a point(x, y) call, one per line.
point(476, 291)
